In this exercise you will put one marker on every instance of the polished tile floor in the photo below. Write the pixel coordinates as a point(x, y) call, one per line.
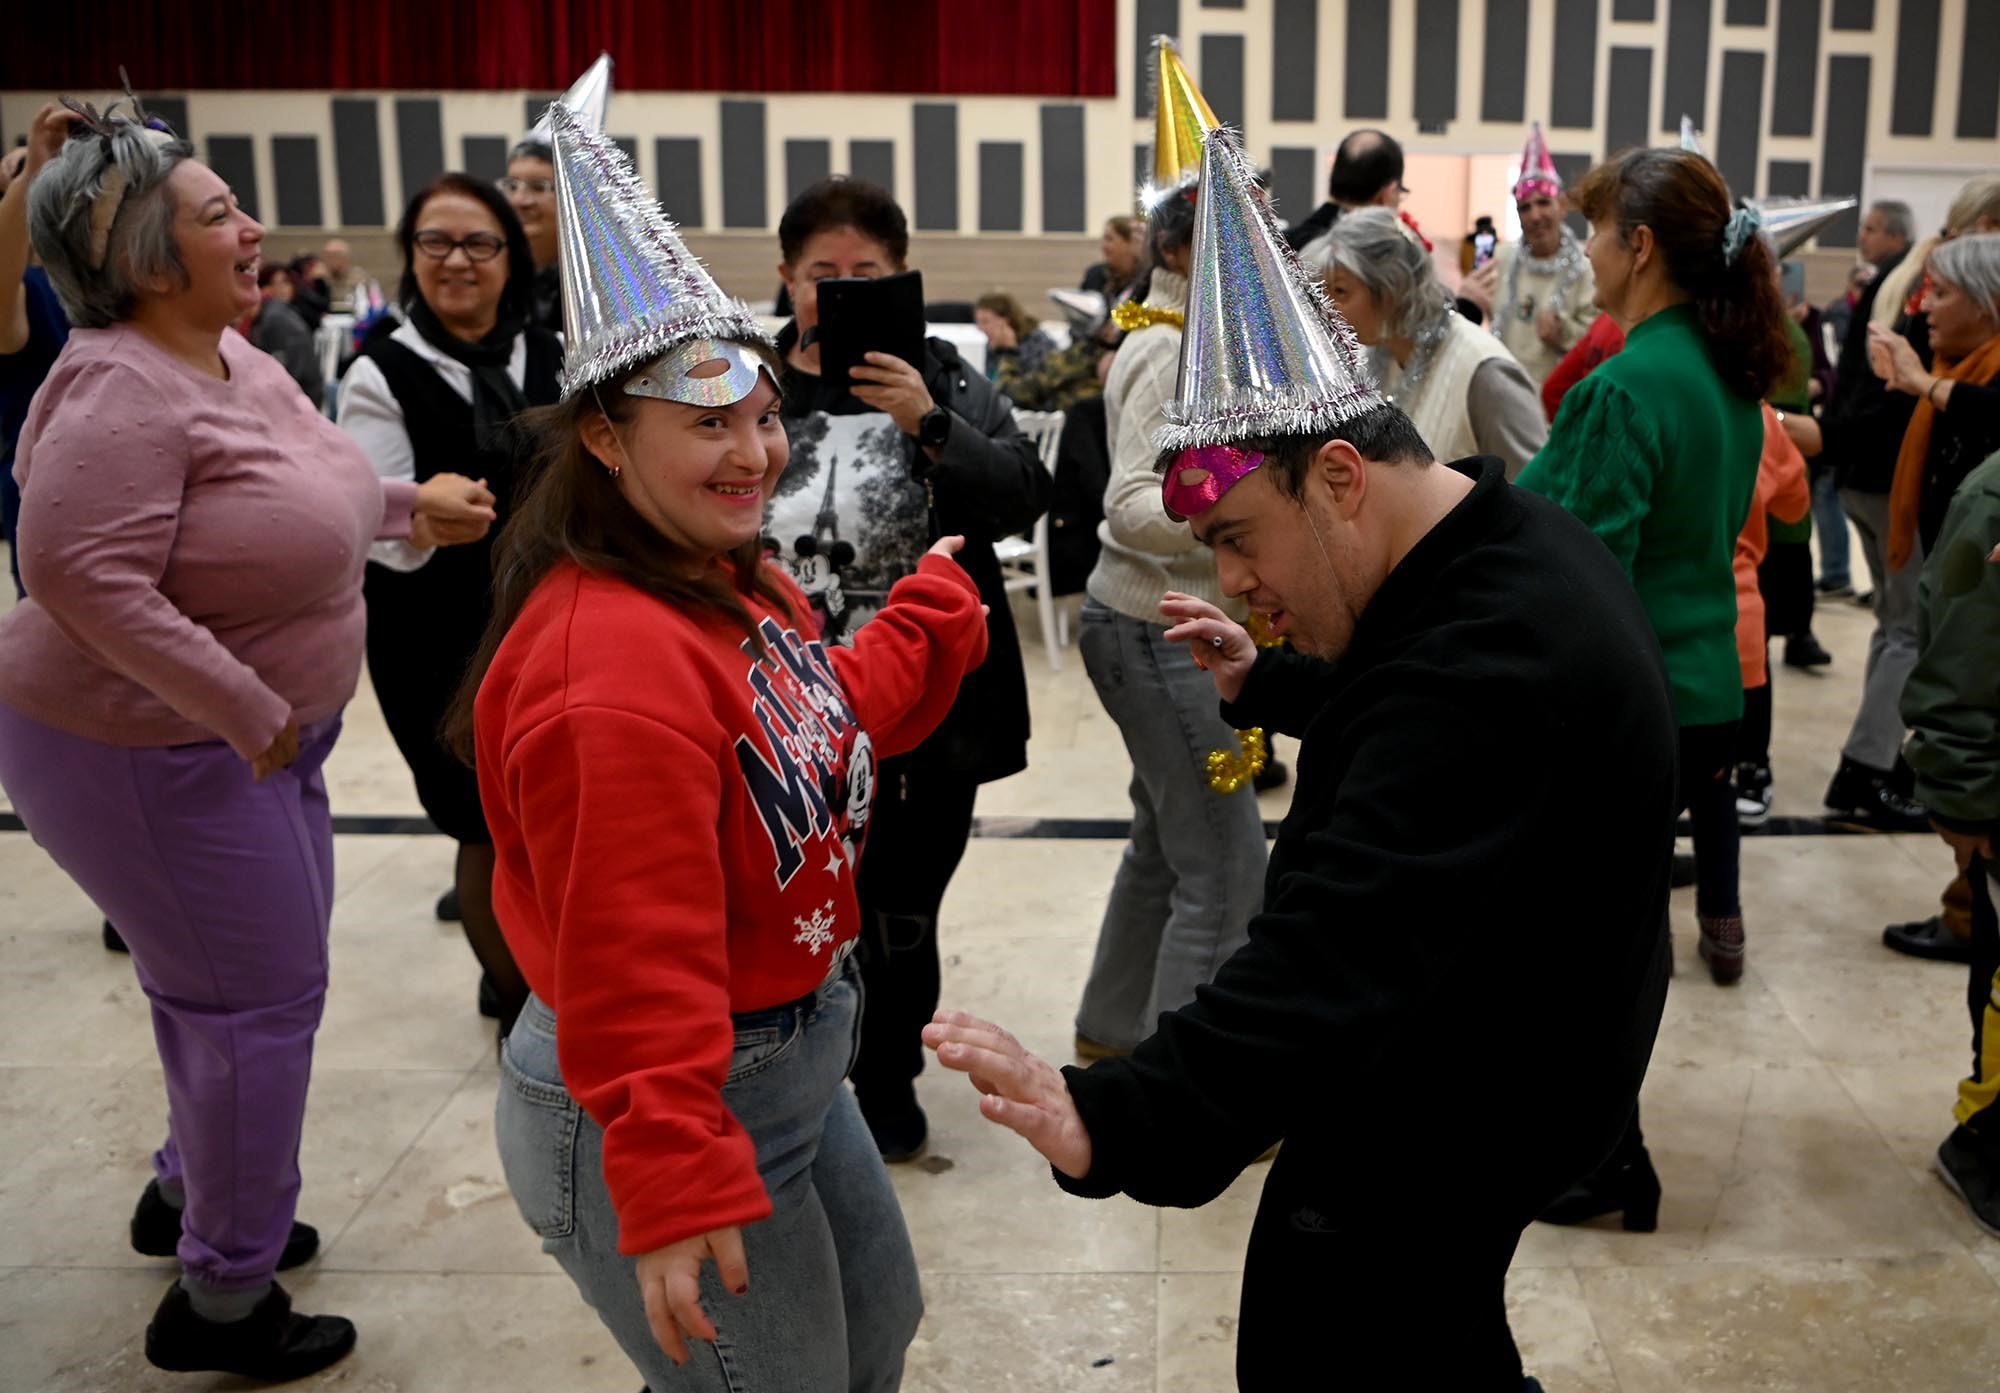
point(1803, 1243)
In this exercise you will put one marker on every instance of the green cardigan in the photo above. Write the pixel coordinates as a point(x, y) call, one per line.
point(1659, 458)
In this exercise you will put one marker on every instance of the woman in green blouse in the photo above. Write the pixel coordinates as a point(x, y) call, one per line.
point(1657, 452)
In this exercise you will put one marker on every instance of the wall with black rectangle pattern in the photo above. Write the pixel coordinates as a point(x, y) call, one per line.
point(934, 163)
point(1150, 18)
point(744, 200)
point(1503, 80)
point(873, 160)
point(1296, 186)
point(1000, 175)
point(1294, 60)
point(1844, 158)
point(1063, 168)
point(1979, 72)
point(1573, 77)
point(295, 180)
point(1788, 179)
point(677, 179)
point(1915, 92)
point(806, 163)
point(1367, 87)
point(419, 142)
point(1737, 122)
point(1435, 84)
point(234, 157)
point(357, 160)
point(1856, 14)
point(485, 156)
point(1744, 12)
point(1220, 73)
point(1795, 68)
point(1684, 88)
point(1628, 106)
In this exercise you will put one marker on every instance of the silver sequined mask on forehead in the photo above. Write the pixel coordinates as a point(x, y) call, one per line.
point(672, 376)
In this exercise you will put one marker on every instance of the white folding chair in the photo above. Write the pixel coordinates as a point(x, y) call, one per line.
point(1024, 560)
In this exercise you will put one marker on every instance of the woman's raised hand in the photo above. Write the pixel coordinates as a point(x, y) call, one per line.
point(1894, 361)
point(1216, 641)
point(451, 510)
point(670, 1285)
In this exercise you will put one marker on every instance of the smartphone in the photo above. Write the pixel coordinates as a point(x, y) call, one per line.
point(859, 316)
point(1484, 245)
point(1792, 281)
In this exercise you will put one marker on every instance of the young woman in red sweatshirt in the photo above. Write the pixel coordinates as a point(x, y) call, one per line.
point(678, 776)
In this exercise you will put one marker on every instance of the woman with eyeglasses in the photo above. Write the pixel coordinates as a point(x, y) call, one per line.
point(439, 396)
point(530, 186)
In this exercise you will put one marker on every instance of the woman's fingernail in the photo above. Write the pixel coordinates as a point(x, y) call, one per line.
point(743, 1290)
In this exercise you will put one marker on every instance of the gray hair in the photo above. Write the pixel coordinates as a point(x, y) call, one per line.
point(140, 248)
point(1973, 265)
point(1980, 198)
point(1897, 219)
point(1371, 245)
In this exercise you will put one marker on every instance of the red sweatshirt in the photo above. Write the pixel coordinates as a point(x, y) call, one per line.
point(677, 826)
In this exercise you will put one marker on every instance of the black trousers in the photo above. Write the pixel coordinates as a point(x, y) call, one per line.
point(1397, 1293)
point(921, 823)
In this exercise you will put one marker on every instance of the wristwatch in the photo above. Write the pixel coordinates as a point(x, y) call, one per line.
point(934, 429)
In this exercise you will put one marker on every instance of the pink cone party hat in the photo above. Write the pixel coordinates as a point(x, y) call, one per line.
point(1538, 169)
point(1264, 353)
point(631, 289)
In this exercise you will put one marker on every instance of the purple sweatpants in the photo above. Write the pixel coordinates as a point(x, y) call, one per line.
point(222, 887)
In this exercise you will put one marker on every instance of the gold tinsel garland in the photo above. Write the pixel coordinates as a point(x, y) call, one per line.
point(1131, 316)
point(1229, 770)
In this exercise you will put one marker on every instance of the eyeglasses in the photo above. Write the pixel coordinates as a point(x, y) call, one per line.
point(510, 184)
point(480, 246)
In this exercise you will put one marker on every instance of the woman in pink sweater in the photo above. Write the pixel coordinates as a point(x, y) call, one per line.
point(192, 538)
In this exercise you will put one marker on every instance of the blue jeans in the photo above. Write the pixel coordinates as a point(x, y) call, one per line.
point(1830, 526)
point(1193, 873)
point(833, 1301)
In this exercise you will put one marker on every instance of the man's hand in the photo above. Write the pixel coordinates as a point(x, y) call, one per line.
point(670, 1285)
point(1549, 328)
point(889, 384)
point(1021, 1091)
point(1217, 642)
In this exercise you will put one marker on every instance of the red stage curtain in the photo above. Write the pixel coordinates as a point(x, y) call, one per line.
point(1064, 48)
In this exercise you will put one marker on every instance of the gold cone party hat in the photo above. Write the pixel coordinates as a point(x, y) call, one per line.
point(588, 96)
point(631, 290)
point(1264, 353)
point(1792, 222)
point(1181, 117)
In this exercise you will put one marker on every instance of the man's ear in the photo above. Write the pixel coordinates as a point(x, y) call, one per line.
point(1341, 474)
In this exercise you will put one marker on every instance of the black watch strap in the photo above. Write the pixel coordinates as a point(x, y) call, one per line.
point(935, 428)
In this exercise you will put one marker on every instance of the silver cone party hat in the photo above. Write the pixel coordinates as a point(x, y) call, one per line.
point(1792, 222)
point(1264, 353)
point(631, 290)
point(1691, 138)
point(588, 96)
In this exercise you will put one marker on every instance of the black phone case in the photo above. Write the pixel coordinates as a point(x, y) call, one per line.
point(858, 316)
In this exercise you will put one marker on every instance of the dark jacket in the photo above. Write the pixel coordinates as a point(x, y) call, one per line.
point(988, 483)
point(1315, 224)
point(1961, 439)
point(1864, 425)
point(1449, 999)
point(281, 331)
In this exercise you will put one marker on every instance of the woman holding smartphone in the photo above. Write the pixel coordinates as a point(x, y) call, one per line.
point(881, 466)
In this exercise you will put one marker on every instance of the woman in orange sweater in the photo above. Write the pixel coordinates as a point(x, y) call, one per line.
point(678, 777)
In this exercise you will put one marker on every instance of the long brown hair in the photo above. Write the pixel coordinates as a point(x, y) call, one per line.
point(572, 511)
point(1680, 197)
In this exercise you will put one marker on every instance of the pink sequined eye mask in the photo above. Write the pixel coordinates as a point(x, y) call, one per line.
point(1200, 475)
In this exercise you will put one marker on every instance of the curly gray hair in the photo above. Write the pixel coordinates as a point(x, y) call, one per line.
point(99, 282)
point(1372, 246)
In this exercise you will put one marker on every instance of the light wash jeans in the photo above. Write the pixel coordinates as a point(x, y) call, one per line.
point(833, 1301)
point(1193, 873)
point(1830, 527)
point(1877, 734)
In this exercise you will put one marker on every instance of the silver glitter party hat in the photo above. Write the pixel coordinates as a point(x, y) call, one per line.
point(588, 97)
point(1263, 353)
point(631, 290)
point(1691, 138)
point(1792, 222)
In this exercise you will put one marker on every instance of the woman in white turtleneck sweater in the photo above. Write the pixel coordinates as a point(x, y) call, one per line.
point(1192, 874)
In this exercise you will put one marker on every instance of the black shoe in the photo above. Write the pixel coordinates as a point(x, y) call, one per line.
point(489, 998)
point(447, 906)
point(1866, 794)
point(1971, 1167)
point(1631, 1189)
point(156, 1231)
point(1682, 875)
point(1866, 599)
point(1928, 938)
point(271, 1343)
point(1834, 589)
point(1753, 795)
point(113, 941)
point(901, 1131)
point(1272, 775)
point(1720, 945)
point(1803, 650)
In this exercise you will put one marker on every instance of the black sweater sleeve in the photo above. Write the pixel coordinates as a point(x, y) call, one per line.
point(1351, 957)
point(1284, 691)
point(988, 476)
